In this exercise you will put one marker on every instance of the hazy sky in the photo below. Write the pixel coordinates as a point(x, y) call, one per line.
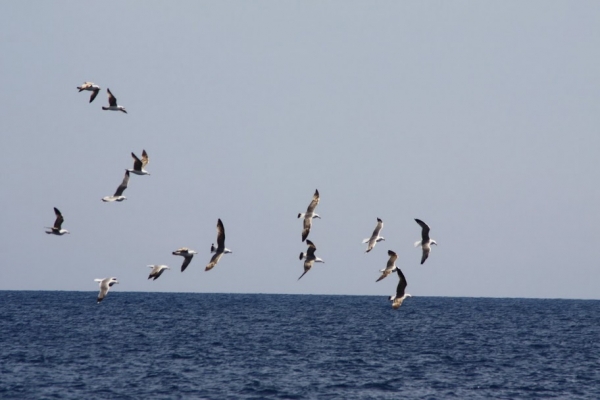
point(480, 118)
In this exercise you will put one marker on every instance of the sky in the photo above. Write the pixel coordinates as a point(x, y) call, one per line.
point(480, 118)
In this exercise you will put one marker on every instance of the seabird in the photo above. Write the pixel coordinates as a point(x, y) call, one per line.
point(138, 165)
point(309, 257)
point(399, 297)
point(375, 236)
point(92, 87)
point(390, 267)
point(220, 249)
point(112, 103)
point(56, 229)
point(425, 241)
point(105, 284)
point(309, 215)
point(157, 271)
point(118, 196)
point(187, 254)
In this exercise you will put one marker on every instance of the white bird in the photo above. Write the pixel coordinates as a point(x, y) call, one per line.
point(112, 103)
point(375, 236)
point(187, 255)
point(399, 297)
point(118, 196)
point(220, 249)
point(91, 87)
point(138, 165)
point(105, 284)
point(157, 271)
point(56, 229)
point(309, 257)
point(309, 215)
point(425, 241)
point(390, 267)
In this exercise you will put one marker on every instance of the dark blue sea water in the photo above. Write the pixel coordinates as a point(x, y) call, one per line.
point(219, 346)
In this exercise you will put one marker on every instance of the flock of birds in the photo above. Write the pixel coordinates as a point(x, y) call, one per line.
point(309, 256)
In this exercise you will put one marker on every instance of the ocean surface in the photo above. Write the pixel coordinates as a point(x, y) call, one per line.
point(233, 346)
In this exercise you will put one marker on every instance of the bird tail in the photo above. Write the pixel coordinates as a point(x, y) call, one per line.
point(97, 280)
point(366, 240)
point(418, 243)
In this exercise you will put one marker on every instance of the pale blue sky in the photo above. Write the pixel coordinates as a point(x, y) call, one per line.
point(481, 118)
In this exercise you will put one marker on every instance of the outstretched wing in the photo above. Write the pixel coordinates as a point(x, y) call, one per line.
point(220, 235)
point(313, 203)
point(94, 94)
point(123, 185)
point(401, 284)
point(213, 261)
point(112, 100)
point(137, 163)
point(145, 158)
point(59, 219)
point(306, 228)
point(186, 262)
point(426, 251)
point(424, 230)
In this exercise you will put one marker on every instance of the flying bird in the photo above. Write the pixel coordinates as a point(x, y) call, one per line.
point(220, 249)
point(390, 267)
point(157, 271)
point(309, 215)
point(138, 165)
point(187, 255)
point(56, 229)
point(375, 236)
point(91, 87)
point(425, 241)
point(112, 103)
point(118, 196)
point(399, 297)
point(309, 257)
point(105, 284)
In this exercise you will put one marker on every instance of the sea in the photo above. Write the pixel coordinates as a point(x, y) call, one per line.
point(62, 345)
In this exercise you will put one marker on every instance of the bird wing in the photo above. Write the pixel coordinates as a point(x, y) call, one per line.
point(313, 203)
point(306, 228)
point(59, 219)
point(103, 289)
point(145, 159)
point(307, 265)
point(137, 163)
point(401, 284)
point(426, 251)
point(377, 229)
point(220, 235)
point(123, 185)
point(186, 262)
point(393, 258)
point(310, 252)
point(213, 261)
point(94, 94)
point(424, 230)
point(112, 100)
point(159, 273)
